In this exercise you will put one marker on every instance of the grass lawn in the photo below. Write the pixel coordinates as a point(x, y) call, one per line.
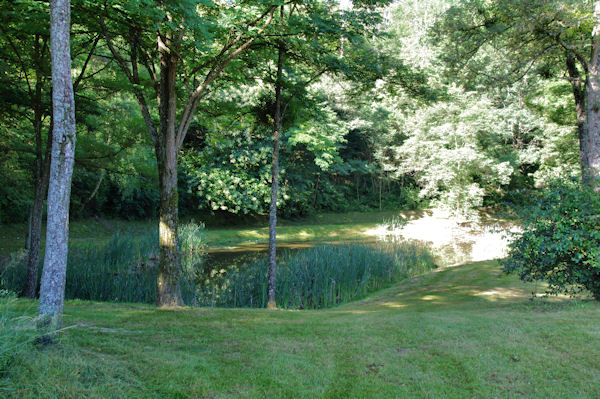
point(461, 332)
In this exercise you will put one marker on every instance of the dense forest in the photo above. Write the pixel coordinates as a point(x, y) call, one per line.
point(388, 108)
point(243, 109)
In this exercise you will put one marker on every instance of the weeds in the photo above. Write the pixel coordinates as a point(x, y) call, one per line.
point(125, 270)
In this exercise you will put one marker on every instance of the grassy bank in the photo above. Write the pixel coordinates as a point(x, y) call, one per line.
point(468, 331)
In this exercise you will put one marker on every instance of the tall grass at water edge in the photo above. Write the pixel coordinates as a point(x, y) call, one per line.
point(319, 277)
point(123, 270)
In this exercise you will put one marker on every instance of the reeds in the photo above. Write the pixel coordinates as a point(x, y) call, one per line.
point(125, 270)
point(318, 277)
point(122, 270)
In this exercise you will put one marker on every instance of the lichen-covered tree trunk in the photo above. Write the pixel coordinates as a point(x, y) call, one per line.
point(272, 275)
point(52, 289)
point(168, 291)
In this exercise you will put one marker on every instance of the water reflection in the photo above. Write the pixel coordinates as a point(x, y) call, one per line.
point(452, 241)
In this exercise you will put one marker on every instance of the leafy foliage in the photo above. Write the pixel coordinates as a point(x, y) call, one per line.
point(560, 240)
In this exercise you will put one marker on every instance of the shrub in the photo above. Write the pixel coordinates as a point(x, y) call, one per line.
point(318, 277)
point(560, 242)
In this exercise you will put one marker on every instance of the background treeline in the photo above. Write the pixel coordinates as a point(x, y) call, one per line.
point(415, 135)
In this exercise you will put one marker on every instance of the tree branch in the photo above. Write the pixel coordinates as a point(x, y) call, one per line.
point(85, 64)
point(139, 95)
point(215, 71)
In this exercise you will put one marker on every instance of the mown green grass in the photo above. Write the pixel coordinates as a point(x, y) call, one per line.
point(468, 331)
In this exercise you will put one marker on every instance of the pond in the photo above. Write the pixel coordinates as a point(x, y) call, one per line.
point(453, 241)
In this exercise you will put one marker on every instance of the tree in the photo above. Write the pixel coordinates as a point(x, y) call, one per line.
point(27, 54)
point(559, 242)
point(553, 36)
point(271, 304)
point(317, 35)
point(194, 41)
point(61, 168)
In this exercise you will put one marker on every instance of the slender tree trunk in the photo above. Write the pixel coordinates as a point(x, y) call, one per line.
point(315, 197)
point(380, 188)
point(52, 289)
point(42, 172)
point(28, 233)
point(94, 191)
point(272, 276)
point(577, 86)
point(168, 292)
point(96, 187)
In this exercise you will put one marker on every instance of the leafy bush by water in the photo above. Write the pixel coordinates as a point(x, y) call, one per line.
point(318, 277)
point(560, 243)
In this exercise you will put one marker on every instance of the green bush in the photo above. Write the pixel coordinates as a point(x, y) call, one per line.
point(318, 277)
point(560, 243)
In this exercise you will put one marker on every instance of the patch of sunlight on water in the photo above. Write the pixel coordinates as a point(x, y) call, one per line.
point(453, 239)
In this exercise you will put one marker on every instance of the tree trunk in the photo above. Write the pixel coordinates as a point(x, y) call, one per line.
point(315, 197)
point(28, 233)
point(52, 289)
point(93, 193)
point(96, 187)
point(380, 188)
point(42, 172)
point(272, 304)
point(168, 292)
point(591, 142)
